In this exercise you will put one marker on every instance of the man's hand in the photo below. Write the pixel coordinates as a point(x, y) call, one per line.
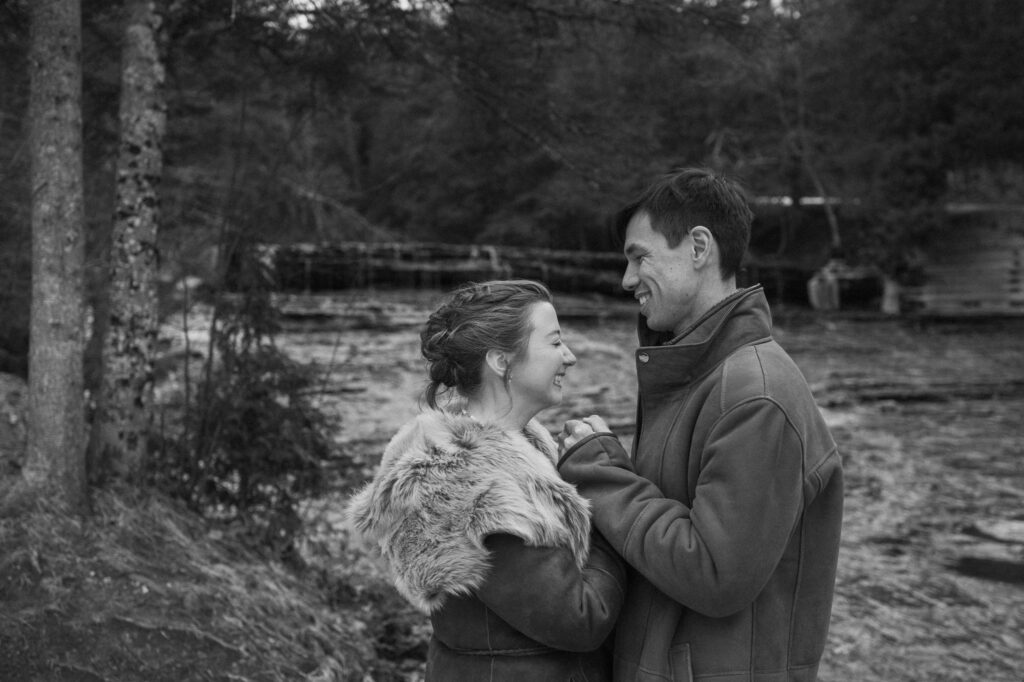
point(576, 430)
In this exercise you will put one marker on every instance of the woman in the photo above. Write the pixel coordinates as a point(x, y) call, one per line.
point(467, 508)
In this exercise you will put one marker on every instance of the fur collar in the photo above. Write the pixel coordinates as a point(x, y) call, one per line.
point(445, 483)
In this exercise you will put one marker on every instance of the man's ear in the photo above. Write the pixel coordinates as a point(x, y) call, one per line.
point(497, 362)
point(703, 246)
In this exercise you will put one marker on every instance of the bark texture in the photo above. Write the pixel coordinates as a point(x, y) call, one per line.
point(55, 458)
point(124, 413)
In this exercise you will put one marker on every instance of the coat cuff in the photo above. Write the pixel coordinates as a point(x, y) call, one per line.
point(597, 449)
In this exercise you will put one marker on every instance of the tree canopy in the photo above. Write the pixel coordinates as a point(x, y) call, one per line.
point(528, 121)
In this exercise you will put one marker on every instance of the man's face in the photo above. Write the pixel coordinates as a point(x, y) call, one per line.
point(662, 279)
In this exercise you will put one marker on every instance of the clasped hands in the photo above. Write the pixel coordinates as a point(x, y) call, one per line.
point(576, 430)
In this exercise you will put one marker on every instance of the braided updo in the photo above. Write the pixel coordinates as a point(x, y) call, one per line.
point(474, 319)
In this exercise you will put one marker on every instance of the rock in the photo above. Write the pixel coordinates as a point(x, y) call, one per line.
point(13, 425)
point(991, 563)
point(990, 549)
point(1003, 530)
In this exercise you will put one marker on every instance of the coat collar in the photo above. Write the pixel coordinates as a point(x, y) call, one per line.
point(665, 364)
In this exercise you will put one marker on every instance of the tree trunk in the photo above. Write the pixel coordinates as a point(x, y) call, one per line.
point(124, 409)
point(55, 458)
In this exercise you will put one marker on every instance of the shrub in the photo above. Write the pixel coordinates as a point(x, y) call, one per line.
point(252, 443)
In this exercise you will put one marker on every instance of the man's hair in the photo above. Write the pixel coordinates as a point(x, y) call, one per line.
point(680, 200)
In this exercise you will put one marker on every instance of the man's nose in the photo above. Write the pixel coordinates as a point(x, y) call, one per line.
point(629, 278)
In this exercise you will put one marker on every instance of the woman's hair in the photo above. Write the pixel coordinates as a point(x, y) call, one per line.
point(476, 318)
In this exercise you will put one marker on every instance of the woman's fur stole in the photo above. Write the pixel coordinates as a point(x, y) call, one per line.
point(445, 483)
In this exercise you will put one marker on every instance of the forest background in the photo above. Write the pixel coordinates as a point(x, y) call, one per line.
point(523, 122)
point(527, 122)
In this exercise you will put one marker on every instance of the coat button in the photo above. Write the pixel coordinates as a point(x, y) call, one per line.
point(643, 357)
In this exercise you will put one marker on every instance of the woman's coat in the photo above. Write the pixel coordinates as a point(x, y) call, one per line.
point(481, 533)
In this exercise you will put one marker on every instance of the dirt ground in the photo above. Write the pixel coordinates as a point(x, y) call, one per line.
point(928, 418)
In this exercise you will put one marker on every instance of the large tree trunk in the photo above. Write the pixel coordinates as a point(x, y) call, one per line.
point(124, 413)
point(55, 459)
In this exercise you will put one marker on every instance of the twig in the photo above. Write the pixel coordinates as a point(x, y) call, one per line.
point(188, 352)
point(330, 365)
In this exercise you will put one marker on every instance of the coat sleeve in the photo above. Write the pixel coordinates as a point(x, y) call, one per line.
point(541, 593)
point(716, 555)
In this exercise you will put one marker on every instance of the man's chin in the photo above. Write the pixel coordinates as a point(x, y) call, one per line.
point(654, 325)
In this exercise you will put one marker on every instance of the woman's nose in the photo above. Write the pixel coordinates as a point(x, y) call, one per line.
point(568, 358)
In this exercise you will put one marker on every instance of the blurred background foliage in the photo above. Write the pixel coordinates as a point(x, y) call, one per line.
point(527, 122)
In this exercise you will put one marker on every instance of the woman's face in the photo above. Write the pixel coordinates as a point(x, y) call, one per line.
point(536, 378)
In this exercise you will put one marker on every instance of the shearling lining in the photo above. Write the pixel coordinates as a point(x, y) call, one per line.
point(445, 483)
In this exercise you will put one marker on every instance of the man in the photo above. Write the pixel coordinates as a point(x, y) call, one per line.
point(729, 510)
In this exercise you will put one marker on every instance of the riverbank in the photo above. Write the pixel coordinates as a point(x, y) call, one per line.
point(931, 574)
point(927, 418)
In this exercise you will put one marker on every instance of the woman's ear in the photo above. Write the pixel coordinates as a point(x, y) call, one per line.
point(497, 362)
